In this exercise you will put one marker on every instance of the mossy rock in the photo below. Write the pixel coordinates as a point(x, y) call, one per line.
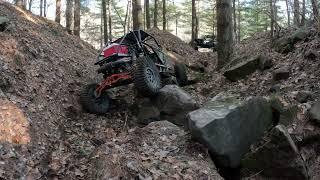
point(3, 23)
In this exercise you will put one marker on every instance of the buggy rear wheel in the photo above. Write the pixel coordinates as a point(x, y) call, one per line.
point(147, 79)
point(93, 104)
point(181, 74)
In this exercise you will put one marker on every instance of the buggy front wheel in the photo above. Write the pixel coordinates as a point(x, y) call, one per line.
point(93, 104)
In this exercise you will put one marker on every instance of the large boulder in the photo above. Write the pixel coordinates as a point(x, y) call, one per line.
point(276, 157)
point(281, 74)
point(160, 150)
point(241, 67)
point(286, 44)
point(228, 125)
point(174, 104)
point(3, 23)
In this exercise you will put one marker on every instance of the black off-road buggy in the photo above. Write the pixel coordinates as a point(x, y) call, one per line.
point(135, 58)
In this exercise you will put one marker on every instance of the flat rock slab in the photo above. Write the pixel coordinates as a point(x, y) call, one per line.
point(315, 112)
point(229, 125)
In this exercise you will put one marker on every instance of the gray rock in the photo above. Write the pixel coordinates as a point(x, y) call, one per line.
point(286, 44)
point(241, 69)
point(315, 112)
point(304, 96)
point(174, 104)
point(281, 73)
point(276, 157)
point(4, 22)
point(147, 112)
point(229, 125)
point(265, 63)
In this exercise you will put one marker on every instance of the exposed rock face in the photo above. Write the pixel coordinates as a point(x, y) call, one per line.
point(280, 74)
point(278, 157)
point(160, 150)
point(286, 44)
point(244, 66)
point(228, 126)
point(304, 96)
point(315, 112)
point(3, 23)
point(174, 104)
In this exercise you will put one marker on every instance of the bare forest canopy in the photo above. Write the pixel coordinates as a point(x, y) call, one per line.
point(99, 20)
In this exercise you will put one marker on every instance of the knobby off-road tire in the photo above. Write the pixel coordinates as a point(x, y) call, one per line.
point(181, 74)
point(146, 77)
point(92, 104)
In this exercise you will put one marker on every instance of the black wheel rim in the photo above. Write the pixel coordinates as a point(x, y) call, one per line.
point(151, 77)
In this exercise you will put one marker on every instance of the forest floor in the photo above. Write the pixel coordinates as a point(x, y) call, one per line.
point(44, 132)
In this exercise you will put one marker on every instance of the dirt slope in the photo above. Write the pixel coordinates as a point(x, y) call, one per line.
point(42, 70)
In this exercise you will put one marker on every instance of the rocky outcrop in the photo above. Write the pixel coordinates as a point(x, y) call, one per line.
point(286, 44)
point(3, 23)
point(228, 125)
point(276, 157)
point(160, 150)
point(281, 74)
point(244, 66)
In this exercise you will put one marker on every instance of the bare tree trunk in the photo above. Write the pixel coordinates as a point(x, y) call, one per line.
point(164, 13)
point(137, 14)
point(239, 20)
point(129, 16)
point(234, 20)
point(105, 21)
point(101, 27)
point(45, 8)
point(41, 7)
point(315, 9)
point(214, 19)
point(109, 20)
point(69, 17)
point(225, 33)
point(288, 12)
point(194, 21)
point(147, 14)
point(296, 12)
point(271, 19)
point(155, 14)
point(76, 29)
point(58, 11)
point(30, 5)
point(303, 15)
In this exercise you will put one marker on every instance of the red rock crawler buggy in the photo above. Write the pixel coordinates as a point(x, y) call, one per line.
point(134, 58)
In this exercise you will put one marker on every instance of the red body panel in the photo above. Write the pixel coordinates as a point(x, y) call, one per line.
point(112, 49)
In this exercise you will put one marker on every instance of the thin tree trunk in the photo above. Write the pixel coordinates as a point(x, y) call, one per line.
point(109, 20)
point(45, 8)
point(303, 15)
point(105, 21)
point(137, 14)
point(234, 20)
point(288, 12)
point(225, 33)
point(155, 14)
point(239, 20)
point(129, 15)
point(69, 16)
point(193, 21)
point(164, 14)
point(271, 19)
point(41, 7)
point(77, 19)
point(214, 18)
point(58, 11)
point(147, 14)
point(315, 9)
point(101, 28)
point(30, 5)
point(296, 12)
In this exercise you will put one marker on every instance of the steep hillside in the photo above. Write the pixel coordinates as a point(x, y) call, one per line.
point(42, 70)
